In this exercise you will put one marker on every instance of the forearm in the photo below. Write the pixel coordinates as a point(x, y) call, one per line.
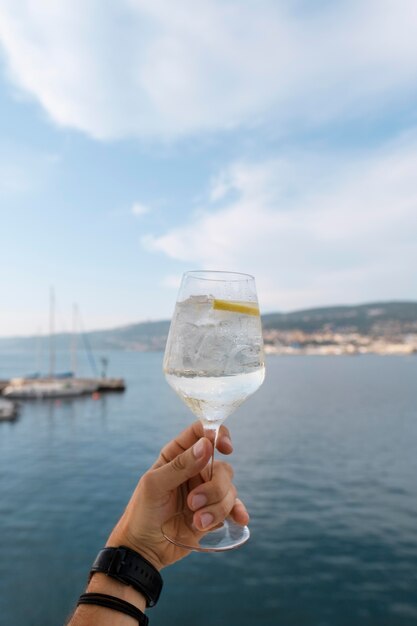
point(159, 495)
point(91, 615)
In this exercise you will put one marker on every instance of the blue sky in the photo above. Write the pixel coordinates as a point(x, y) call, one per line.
point(142, 138)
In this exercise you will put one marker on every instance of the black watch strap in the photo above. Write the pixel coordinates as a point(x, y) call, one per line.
point(130, 568)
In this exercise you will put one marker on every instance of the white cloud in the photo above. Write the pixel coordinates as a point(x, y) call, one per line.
point(162, 68)
point(312, 231)
point(139, 209)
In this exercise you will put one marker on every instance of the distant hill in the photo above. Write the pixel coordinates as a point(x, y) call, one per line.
point(376, 319)
point(145, 336)
point(373, 318)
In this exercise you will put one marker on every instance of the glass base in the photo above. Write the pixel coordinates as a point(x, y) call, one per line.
point(180, 531)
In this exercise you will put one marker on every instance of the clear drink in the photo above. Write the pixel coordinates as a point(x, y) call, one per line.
point(214, 355)
point(212, 399)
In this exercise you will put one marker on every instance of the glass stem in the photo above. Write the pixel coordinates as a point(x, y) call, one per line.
point(211, 432)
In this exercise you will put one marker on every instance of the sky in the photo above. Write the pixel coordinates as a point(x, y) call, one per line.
point(143, 138)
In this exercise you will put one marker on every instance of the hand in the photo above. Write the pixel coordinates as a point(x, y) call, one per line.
point(177, 481)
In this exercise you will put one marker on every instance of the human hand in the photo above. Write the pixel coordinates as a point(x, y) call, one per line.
point(176, 480)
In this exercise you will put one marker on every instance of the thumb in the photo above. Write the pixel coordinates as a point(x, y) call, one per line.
point(183, 467)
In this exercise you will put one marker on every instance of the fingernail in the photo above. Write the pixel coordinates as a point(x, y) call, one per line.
point(228, 441)
point(198, 449)
point(198, 501)
point(206, 519)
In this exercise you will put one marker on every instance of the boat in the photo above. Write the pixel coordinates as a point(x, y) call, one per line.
point(8, 410)
point(22, 388)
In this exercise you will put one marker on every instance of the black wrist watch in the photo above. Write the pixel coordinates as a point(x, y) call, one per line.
point(130, 568)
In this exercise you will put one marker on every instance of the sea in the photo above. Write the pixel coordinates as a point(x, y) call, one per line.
point(325, 459)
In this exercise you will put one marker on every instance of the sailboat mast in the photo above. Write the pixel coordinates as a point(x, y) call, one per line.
point(51, 333)
point(38, 364)
point(74, 340)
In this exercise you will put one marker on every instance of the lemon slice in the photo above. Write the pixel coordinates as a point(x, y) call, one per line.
point(247, 308)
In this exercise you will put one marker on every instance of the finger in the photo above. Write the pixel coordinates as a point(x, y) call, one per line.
point(210, 516)
point(213, 491)
point(181, 468)
point(195, 481)
point(182, 442)
point(239, 513)
point(224, 442)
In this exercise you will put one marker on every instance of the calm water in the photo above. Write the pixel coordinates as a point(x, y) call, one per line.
point(326, 461)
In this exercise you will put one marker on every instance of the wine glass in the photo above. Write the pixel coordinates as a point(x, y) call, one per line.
point(214, 360)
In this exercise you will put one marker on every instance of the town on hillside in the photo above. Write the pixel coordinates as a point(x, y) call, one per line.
point(388, 328)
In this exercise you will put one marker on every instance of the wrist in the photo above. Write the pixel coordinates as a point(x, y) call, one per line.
point(121, 537)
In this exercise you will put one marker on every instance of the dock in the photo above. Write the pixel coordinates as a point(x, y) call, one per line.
point(106, 384)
